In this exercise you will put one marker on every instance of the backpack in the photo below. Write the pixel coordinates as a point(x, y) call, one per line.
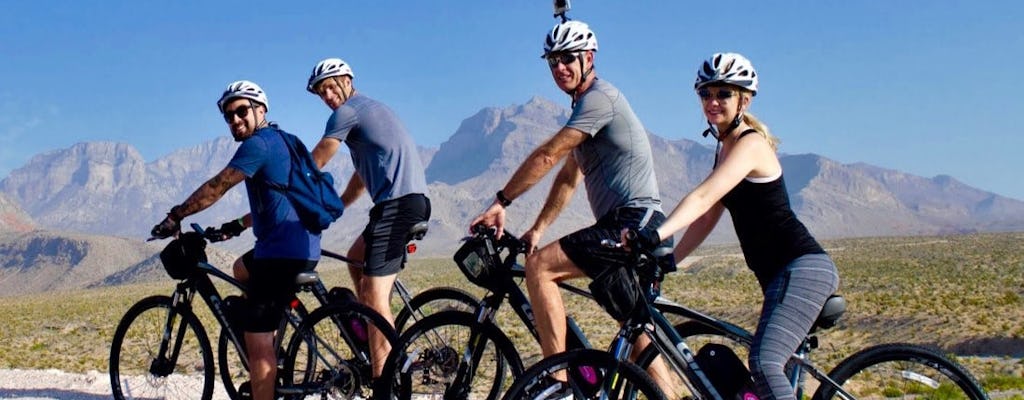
point(309, 190)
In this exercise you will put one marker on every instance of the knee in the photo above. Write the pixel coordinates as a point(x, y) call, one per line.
point(239, 270)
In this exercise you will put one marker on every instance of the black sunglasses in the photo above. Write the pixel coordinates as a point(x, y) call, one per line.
point(241, 112)
point(721, 94)
point(560, 58)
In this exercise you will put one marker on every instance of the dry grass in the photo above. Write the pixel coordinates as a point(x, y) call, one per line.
point(963, 294)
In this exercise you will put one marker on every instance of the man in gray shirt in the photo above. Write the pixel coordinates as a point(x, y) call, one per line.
point(387, 166)
point(605, 145)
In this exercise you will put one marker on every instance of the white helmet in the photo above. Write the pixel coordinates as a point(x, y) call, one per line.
point(570, 36)
point(245, 90)
point(728, 68)
point(327, 68)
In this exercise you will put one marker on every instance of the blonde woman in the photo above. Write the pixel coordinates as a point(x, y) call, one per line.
point(795, 273)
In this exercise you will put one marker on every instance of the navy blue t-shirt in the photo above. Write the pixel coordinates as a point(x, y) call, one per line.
point(264, 157)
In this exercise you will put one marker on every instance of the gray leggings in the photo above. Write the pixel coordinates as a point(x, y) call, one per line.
point(792, 301)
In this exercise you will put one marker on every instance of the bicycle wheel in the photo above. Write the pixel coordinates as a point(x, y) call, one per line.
point(430, 362)
point(432, 301)
point(144, 365)
point(328, 354)
point(901, 371)
point(592, 374)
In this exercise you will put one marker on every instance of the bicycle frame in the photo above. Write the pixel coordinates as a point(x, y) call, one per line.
point(680, 357)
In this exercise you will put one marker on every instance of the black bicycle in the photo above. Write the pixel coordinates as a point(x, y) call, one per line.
point(715, 371)
point(461, 355)
point(160, 348)
point(234, 369)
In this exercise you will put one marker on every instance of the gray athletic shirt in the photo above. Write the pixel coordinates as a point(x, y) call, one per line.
point(616, 160)
point(383, 153)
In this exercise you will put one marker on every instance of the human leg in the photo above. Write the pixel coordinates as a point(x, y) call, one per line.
point(792, 302)
point(375, 292)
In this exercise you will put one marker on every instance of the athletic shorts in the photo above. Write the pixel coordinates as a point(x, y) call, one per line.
point(584, 247)
point(387, 232)
point(271, 288)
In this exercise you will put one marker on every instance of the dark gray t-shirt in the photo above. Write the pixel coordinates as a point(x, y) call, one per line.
point(616, 160)
point(383, 153)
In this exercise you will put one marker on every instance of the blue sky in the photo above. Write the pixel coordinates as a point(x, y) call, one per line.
point(926, 87)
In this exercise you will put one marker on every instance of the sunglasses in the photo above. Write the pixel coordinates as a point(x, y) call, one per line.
point(720, 94)
point(560, 58)
point(240, 112)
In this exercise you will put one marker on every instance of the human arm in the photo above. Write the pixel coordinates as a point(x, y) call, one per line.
point(324, 151)
point(536, 165)
point(207, 194)
point(562, 189)
point(353, 190)
point(698, 231)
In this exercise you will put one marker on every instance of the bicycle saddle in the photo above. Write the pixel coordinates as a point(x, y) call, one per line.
point(307, 278)
point(833, 309)
point(418, 231)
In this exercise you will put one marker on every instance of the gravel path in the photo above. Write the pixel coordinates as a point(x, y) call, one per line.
point(53, 384)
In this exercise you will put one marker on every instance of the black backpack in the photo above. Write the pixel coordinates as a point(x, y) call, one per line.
point(309, 190)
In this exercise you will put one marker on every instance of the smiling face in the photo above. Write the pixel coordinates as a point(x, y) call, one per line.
point(567, 69)
point(243, 116)
point(722, 103)
point(333, 90)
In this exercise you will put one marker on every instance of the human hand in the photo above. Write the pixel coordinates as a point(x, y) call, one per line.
point(170, 226)
point(531, 238)
point(643, 239)
point(232, 229)
point(492, 217)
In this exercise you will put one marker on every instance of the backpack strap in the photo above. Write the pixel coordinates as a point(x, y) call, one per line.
point(293, 157)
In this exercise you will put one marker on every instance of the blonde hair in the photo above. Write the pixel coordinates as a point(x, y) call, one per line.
point(756, 124)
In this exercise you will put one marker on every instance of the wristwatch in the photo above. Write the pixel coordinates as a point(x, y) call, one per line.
point(504, 201)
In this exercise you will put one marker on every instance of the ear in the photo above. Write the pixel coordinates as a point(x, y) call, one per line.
point(589, 55)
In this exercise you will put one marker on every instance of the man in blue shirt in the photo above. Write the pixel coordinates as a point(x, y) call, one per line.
point(388, 166)
point(283, 247)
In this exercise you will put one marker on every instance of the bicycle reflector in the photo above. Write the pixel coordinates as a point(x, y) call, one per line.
point(182, 255)
point(478, 259)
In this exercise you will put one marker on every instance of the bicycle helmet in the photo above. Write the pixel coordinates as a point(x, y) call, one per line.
point(570, 36)
point(728, 68)
point(243, 89)
point(327, 68)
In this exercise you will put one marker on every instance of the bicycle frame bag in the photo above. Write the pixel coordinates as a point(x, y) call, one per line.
point(478, 258)
point(727, 373)
point(618, 291)
point(183, 254)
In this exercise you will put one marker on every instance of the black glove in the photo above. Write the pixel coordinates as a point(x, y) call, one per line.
point(169, 226)
point(233, 228)
point(645, 239)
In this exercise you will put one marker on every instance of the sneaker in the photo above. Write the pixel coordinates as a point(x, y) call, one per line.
point(551, 389)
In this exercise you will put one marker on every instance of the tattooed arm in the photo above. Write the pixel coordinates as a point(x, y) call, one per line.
point(208, 193)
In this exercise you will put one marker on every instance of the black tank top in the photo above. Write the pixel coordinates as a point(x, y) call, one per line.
point(770, 234)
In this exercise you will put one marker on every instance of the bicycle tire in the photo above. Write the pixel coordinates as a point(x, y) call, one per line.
point(330, 352)
point(898, 369)
point(432, 301)
point(439, 363)
point(535, 382)
point(144, 374)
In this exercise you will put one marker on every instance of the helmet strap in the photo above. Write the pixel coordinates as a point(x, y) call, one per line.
point(344, 95)
point(583, 78)
point(259, 124)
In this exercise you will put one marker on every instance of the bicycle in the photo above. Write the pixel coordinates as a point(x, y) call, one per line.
point(414, 308)
point(715, 372)
point(466, 355)
point(163, 350)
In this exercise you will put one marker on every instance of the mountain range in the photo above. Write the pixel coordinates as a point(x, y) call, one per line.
point(91, 191)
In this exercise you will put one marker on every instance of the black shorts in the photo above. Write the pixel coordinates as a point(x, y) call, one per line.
point(584, 247)
point(271, 288)
point(387, 232)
